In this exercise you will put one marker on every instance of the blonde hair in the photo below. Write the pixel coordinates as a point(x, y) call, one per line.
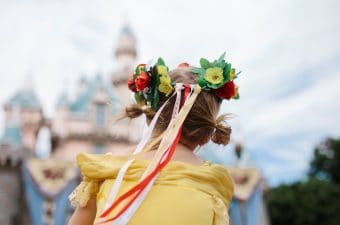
point(201, 124)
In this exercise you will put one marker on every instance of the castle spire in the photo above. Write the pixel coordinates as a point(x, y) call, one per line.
point(125, 54)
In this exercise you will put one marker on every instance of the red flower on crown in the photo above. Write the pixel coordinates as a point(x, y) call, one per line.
point(227, 91)
point(142, 81)
point(132, 85)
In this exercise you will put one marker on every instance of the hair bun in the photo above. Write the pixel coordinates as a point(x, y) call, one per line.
point(222, 131)
point(133, 111)
point(136, 110)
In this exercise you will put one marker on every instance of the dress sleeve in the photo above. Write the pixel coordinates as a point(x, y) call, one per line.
point(95, 168)
point(221, 216)
point(88, 187)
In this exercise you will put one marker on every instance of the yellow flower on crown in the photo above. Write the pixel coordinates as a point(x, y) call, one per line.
point(232, 74)
point(163, 73)
point(162, 70)
point(214, 75)
point(165, 85)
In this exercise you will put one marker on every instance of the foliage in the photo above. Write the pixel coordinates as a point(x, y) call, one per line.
point(311, 202)
point(314, 201)
point(326, 161)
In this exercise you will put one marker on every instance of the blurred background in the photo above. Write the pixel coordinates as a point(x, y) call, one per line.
point(63, 72)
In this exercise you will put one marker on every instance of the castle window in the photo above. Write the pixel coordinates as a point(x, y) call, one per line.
point(100, 115)
point(99, 148)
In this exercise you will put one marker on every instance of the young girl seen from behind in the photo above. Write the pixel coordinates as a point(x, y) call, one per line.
point(163, 181)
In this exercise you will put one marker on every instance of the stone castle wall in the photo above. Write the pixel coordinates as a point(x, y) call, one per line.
point(10, 195)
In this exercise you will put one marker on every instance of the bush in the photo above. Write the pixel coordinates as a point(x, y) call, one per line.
point(315, 201)
point(311, 202)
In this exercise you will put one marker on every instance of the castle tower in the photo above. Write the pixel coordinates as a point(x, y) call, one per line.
point(24, 107)
point(125, 56)
point(87, 122)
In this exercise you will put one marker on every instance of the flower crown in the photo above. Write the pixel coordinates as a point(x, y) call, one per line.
point(149, 83)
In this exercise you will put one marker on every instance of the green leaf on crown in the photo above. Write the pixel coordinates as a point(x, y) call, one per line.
point(199, 71)
point(214, 64)
point(226, 71)
point(160, 62)
point(136, 73)
point(205, 64)
point(155, 97)
point(152, 94)
point(222, 56)
point(139, 98)
point(202, 82)
point(221, 63)
point(149, 95)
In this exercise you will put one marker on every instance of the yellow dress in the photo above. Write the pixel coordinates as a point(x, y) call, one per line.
point(183, 194)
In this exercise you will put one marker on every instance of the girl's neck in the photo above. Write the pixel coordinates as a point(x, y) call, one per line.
point(182, 153)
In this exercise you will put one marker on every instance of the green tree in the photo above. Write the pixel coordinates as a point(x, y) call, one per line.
point(316, 200)
point(326, 161)
point(312, 202)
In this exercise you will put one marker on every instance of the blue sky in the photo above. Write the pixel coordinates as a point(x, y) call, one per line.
point(288, 52)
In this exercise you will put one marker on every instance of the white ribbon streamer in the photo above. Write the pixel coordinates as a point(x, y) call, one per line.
point(127, 215)
point(139, 148)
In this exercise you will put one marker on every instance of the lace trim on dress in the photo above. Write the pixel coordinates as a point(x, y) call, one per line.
point(83, 192)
